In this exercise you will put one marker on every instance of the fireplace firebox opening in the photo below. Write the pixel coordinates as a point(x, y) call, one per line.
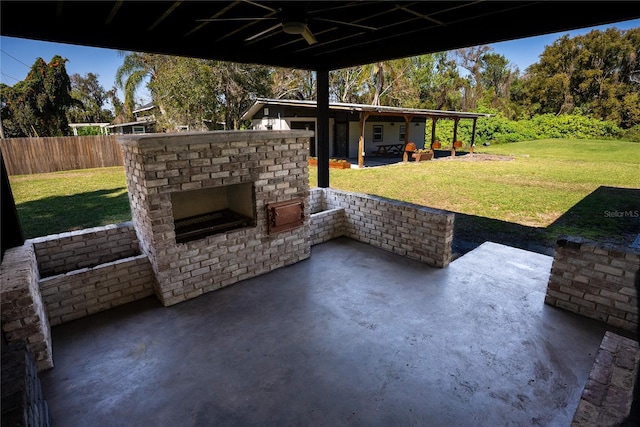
point(204, 212)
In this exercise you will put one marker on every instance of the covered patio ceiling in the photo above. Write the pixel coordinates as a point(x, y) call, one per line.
point(340, 33)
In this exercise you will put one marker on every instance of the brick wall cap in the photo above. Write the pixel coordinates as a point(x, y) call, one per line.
point(152, 140)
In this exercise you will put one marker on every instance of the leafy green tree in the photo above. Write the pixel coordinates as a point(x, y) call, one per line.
point(37, 106)
point(550, 79)
point(425, 79)
point(116, 105)
point(449, 85)
point(186, 91)
point(91, 97)
point(240, 84)
point(135, 70)
point(200, 93)
point(588, 73)
point(603, 88)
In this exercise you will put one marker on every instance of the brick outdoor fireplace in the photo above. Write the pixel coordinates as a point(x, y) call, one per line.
point(210, 209)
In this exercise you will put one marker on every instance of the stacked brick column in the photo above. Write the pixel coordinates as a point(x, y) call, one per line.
point(22, 312)
point(608, 394)
point(596, 281)
point(23, 403)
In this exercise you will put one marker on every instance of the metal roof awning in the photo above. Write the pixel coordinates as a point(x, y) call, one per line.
point(371, 109)
point(138, 122)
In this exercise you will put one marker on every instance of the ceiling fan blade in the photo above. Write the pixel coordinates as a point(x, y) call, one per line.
point(234, 19)
point(308, 36)
point(261, 33)
point(351, 24)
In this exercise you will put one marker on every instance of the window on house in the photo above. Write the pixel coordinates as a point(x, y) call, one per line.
point(137, 129)
point(403, 131)
point(377, 133)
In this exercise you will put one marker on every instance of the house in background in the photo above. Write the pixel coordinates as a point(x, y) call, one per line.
point(355, 130)
point(145, 122)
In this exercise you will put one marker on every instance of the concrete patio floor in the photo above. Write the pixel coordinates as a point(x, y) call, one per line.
point(353, 336)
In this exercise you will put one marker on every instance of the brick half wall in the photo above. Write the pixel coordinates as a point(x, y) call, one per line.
point(65, 252)
point(597, 281)
point(90, 290)
point(31, 304)
point(414, 231)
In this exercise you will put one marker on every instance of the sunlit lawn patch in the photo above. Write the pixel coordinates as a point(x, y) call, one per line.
point(561, 186)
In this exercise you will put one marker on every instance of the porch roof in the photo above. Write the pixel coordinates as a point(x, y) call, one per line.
point(372, 109)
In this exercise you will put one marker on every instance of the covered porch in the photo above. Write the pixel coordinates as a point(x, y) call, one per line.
point(354, 335)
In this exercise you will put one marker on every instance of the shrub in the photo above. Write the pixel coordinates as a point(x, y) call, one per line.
point(499, 129)
point(631, 134)
point(574, 126)
point(89, 130)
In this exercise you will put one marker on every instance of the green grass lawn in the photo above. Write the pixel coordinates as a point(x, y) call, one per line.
point(51, 203)
point(560, 186)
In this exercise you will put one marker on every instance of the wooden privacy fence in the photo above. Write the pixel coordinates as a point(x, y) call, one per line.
point(23, 156)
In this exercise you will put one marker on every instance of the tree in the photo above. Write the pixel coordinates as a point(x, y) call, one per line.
point(240, 84)
point(346, 85)
point(186, 91)
point(602, 83)
point(471, 59)
point(495, 73)
point(92, 98)
point(136, 69)
point(201, 93)
point(116, 105)
point(387, 83)
point(448, 88)
point(422, 78)
point(497, 78)
point(588, 73)
point(37, 106)
point(292, 83)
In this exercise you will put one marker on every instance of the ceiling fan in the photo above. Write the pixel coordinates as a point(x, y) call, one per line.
point(292, 19)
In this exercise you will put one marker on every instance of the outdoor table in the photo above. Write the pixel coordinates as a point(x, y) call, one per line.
point(388, 149)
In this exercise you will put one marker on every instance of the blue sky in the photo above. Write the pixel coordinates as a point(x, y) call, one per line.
point(17, 55)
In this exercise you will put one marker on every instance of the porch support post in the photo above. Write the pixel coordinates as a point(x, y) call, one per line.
point(434, 120)
point(322, 128)
point(363, 118)
point(473, 134)
point(407, 123)
point(455, 129)
point(455, 136)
